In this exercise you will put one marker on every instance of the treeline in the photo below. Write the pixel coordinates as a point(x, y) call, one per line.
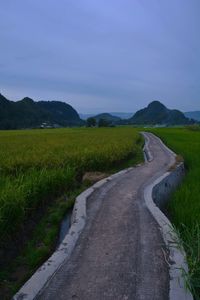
point(92, 122)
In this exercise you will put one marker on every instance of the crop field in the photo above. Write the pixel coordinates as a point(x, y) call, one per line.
point(184, 207)
point(36, 165)
point(40, 169)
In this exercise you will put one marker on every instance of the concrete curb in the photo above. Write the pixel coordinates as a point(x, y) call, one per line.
point(177, 257)
point(40, 279)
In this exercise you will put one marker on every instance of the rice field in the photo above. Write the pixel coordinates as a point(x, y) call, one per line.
point(37, 165)
point(184, 207)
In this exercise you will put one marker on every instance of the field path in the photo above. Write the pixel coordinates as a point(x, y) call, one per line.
point(120, 254)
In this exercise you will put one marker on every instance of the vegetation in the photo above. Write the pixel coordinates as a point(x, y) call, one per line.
point(37, 166)
point(195, 127)
point(106, 119)
point(184, 207)
point(91, 122)
point(103, 120)
point(39, 163)
point(38, 247)
point(104, 123)
point(157, 113)
point(27, 113)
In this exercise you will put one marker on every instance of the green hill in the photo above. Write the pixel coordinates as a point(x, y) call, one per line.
point(157, 113)
point(27, 113)
point(107, 117)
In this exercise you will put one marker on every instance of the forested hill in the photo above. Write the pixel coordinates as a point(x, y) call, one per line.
point(157, 113)
point(108, 117)
point(27, 113)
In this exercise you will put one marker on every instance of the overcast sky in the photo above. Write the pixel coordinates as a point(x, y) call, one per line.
point(101, 55)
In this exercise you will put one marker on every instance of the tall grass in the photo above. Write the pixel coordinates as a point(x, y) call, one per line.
point(36, 165)
point(184, 206)
point(22, 195)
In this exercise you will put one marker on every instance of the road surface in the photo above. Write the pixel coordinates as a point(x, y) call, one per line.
point(120, 254)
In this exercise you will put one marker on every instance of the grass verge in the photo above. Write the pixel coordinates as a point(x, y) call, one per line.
point(41, 244)
point(184, 207)
point(26, 190)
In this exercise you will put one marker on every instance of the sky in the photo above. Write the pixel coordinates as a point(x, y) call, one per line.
point(101, 55)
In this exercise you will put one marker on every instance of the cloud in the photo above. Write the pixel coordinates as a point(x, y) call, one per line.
point(102, 54)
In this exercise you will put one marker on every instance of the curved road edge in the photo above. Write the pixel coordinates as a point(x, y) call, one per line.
point(40, 279)
point(177, 257)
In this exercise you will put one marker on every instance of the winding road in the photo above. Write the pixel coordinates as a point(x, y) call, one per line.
point(120, 254)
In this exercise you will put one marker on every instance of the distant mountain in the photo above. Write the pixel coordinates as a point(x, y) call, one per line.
point(110, 120)
point(27, 113)
point(121, 115)
point(195, 115)
point(108, 117)
point(85, 116)
point(157, 113)
point(61, 112)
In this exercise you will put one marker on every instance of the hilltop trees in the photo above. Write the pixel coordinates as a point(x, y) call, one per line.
point(103, 123)
point(28, 113)
point(91, 122)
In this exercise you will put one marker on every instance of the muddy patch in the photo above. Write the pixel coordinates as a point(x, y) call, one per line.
point(92, 177)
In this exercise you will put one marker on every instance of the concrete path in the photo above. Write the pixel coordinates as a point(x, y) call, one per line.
point(120, 254)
